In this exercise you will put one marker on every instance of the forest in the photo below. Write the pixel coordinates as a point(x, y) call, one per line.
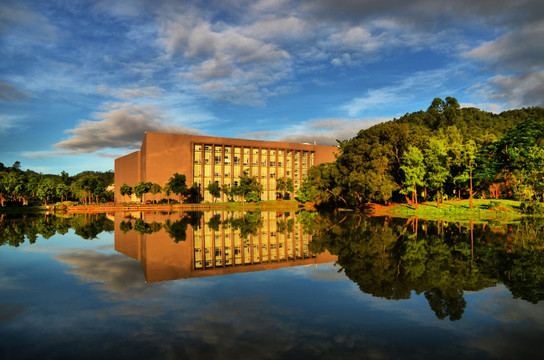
point(445, 152)
point(18, 187)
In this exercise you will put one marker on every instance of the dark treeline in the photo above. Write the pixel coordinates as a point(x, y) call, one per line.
point(443, 152)
point(392, 258)
point(18, 187)
point(15, 229)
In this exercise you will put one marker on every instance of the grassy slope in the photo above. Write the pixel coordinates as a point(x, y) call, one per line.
point(483, 210)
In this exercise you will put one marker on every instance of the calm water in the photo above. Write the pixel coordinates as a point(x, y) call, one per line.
point(268, 285)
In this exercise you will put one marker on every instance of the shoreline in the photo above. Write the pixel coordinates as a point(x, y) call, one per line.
point(101, 208)
point(484, 210)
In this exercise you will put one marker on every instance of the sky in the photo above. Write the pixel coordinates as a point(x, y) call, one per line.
point(82, 81)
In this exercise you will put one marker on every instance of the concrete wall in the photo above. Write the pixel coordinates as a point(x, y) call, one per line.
point(127, 170)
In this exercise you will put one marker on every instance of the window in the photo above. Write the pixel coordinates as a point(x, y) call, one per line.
point(197, 157)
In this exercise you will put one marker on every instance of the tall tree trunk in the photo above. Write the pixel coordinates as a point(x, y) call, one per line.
point(470, 164)
point(437, 198)
point(415, 195)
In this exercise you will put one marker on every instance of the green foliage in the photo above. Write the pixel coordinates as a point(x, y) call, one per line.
point(381, 163)
point(15, 230)
point(142, 188)
point(394, 258)
point(125, 190)
point(532, 208)
point(177, 184)
point(214, 189)
point(413, 167)
point(177, 229)
point(248, 224)
point(248, 188)
point(284, 186)
point(517, 160)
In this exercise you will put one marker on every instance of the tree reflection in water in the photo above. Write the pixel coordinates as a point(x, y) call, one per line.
point(386, 257)
point(390, 258)
point(14, 229)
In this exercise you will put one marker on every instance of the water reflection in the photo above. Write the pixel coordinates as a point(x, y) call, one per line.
point(195, 244)
point(392, 258)
point(14, 229)
point(387, 258)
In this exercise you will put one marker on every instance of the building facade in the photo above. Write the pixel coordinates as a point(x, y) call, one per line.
point(206, 159)
point(210, 252)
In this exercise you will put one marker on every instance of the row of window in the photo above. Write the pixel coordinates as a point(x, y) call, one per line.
point(255, 157)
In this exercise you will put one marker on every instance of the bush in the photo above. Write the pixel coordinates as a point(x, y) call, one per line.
point(531, 208)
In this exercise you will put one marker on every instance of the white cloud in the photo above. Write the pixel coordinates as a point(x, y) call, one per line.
point(10, 93)
point(319, 131)
point(148, 91)
point(10, 122)
point(428, 82)
point(122, 125)
point(514, 91)
point(25, 26)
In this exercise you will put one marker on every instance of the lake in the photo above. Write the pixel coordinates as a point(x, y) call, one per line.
point(268, 285)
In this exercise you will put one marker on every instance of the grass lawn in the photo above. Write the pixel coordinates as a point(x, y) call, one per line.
point(482, 210)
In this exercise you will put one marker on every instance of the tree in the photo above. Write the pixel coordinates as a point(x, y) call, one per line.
point(513, 157)
point(142, 188)
point(214, 189)
point(178, 186)
point(46, 189)
point(125, 190)
point(413, 167)
point(437, 164)
point(62, 190)
point(167, 192)
point(227, 190)
point(284, 185)
point(468, 156)
point(155, 189)
point(249, 188)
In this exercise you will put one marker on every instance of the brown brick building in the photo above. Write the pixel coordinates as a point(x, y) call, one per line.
point(204, 159)
point(209, 252)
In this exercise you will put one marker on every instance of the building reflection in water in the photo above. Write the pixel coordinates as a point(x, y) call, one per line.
point(213, 243)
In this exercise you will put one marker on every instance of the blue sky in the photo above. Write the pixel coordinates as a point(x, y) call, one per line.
point(81, 81)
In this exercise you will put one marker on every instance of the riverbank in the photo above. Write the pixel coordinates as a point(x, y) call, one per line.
point(285, 205)
point(483, 210)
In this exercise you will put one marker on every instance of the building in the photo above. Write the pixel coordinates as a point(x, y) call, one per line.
point(211, 252)
point(204, 159)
